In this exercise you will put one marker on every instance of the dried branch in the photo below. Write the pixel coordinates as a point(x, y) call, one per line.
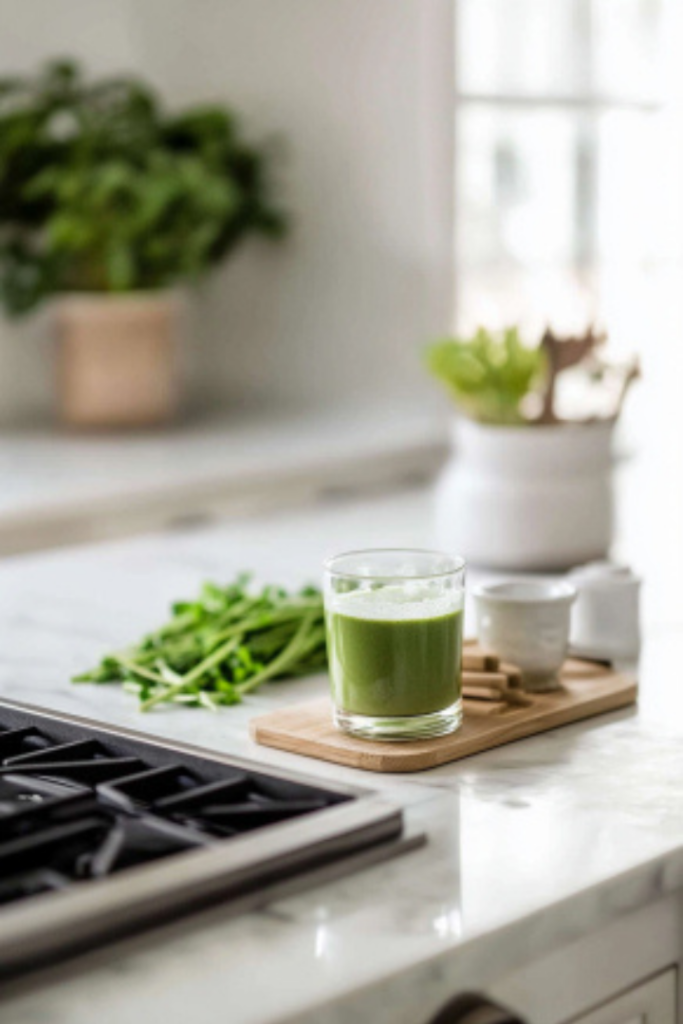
point(562, 354)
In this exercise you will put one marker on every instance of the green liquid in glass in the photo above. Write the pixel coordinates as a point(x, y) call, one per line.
point(390, 666)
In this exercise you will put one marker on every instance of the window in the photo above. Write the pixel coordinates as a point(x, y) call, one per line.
point(569, 188)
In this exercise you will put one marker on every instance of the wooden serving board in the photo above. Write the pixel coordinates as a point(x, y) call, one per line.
point(587, 689)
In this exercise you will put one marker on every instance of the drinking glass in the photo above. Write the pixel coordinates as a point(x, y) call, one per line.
point(394, 637)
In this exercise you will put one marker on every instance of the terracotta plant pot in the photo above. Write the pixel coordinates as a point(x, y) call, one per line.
point(117, 359)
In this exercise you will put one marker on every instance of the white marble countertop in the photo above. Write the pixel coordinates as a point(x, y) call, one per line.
point(530, 846)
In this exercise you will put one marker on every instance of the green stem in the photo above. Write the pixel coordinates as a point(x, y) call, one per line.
point(211, 661)
point(277, 665)
point(139, 670)
point(258, 623)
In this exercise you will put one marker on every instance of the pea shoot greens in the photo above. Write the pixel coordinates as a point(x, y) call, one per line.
point(223, 645)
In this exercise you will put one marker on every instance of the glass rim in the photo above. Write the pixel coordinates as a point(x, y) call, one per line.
point(458, 565)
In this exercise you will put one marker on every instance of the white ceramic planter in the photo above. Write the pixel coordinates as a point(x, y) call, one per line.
point(527, 497)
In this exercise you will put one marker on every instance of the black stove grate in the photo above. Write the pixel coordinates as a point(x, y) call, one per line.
point(78, 804)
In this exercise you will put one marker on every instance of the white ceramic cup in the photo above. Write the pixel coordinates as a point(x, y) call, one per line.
point(527, 623)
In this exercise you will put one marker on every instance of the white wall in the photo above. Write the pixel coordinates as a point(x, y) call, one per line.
point(359, 91)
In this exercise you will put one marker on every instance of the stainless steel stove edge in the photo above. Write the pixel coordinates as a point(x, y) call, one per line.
point(51, 925)
point(174, 746)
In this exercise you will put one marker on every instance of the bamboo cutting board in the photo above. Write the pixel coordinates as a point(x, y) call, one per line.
point(587, 690)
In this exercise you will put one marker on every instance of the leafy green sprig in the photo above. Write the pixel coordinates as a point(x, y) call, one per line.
point(223, 645)
point(104, 190)
point(489, 375)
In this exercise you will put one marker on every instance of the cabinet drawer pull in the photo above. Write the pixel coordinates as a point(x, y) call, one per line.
point(473, 1009)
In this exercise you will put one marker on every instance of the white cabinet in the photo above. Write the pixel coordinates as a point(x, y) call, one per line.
point(652, 1002)
point(624, 973)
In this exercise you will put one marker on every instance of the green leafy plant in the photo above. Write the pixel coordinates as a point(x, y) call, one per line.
point(489, 375)
point(102, 190)
point(221, 646)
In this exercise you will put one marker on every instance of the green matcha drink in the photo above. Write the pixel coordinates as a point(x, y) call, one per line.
point(392, 656)
point(395, 647)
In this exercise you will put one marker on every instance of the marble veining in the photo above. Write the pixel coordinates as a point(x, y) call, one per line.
point(530, 846)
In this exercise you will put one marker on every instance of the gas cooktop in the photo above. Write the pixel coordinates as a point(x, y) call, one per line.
point(104, 831)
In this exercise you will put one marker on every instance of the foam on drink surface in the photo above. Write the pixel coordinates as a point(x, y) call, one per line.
point(407, 602)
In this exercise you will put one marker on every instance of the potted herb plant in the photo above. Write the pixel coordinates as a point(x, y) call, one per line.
point(528, 486)
point(108, 203)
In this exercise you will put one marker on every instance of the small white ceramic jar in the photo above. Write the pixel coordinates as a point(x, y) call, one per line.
point(527, 623)
point(605, 618)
